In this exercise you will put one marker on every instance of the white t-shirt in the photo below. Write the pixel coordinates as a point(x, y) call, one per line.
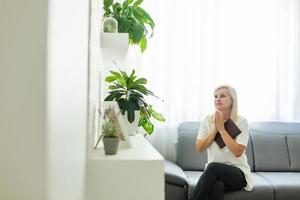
point(224, 155)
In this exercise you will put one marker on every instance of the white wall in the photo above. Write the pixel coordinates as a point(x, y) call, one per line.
point(43, 99)
point(23, 99)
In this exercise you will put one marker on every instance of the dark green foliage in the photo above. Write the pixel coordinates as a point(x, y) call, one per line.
point(129, 91)
point(131, 19)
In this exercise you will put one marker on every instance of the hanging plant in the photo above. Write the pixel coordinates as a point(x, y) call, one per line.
point(132, 19)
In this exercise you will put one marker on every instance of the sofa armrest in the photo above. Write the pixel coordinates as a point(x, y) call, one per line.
point(174, 174)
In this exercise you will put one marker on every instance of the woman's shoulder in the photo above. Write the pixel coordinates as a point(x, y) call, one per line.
point(241, 119)
point(207, 118)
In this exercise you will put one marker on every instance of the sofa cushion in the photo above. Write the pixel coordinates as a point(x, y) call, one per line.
point(249, 153)
point(286, 184)
point(276, 127)
point(293, 142)
point(276, 146)
point(270, 151)
point(193, 177)
point(175, 192)
point(187, 156)
point(262, 190)
point(174, 174)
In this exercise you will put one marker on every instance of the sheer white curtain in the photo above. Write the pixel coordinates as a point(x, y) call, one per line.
point(252, 45)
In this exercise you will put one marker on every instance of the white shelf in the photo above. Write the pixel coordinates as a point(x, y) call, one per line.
point(140, 150)
point(126, 175)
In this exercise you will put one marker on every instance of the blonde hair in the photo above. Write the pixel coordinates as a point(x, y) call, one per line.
point(234, 107)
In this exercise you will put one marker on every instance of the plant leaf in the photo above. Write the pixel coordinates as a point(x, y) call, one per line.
point(124, 74)
point(125, 5)
point(140, 88)
point(108, 3)
point(138, 15)
point(129, 83)
point(132, 74)
point(119, 77)
point(144, 111)
point(109, 98)
point(116, 86)
point(118, 96)
point(156, 115)
point(143, 44)
point(107, 12)
point(137, 99)
point(138, 2)
point(110, 79)
point(140, 81)
point(123, 24)
point(137, 32)
point(136, 94)
point(113, 95)
point(149, 21)
point(120, 86)
point(129, 1)
point(147, 125)
point(117, 8)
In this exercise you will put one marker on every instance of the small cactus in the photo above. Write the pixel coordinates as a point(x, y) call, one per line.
point(109, 129)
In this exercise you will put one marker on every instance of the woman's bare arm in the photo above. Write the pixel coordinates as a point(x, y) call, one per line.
point(203, 143)
point(236, 148)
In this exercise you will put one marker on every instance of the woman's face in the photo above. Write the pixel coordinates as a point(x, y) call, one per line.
point(223, 100)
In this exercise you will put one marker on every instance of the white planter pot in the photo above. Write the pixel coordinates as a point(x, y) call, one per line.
point(114, 46)
point(132, 127)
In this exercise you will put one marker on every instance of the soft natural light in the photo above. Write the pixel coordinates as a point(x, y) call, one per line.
point(197, 45)
point(249, 44)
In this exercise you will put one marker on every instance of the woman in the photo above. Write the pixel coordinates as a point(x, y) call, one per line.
point(227, 168)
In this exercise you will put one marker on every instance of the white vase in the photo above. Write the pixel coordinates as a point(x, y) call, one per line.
point(132, 127)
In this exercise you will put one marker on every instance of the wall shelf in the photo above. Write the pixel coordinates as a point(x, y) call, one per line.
point(126, 175)
point(114, 46)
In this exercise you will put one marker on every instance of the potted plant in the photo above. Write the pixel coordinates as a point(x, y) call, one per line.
point(130, 91)
point(110, 137)
point(132, 19)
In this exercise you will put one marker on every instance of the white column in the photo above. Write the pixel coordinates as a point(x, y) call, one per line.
point(43, 99)
point(67, 88)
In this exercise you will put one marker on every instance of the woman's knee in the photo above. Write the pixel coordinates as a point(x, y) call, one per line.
point(218, 186)
point(214, 166)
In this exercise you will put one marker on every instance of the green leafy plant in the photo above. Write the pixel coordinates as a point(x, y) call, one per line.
point(130, 91)
point(132, 19)
point(109, 129)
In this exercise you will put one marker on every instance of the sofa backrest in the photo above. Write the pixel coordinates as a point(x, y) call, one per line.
point(272, 146)
point(187, 157)
point(276, 146)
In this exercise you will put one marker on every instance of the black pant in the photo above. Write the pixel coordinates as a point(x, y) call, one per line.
point(217, 178)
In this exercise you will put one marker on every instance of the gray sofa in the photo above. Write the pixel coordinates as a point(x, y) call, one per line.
point(273, 154)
